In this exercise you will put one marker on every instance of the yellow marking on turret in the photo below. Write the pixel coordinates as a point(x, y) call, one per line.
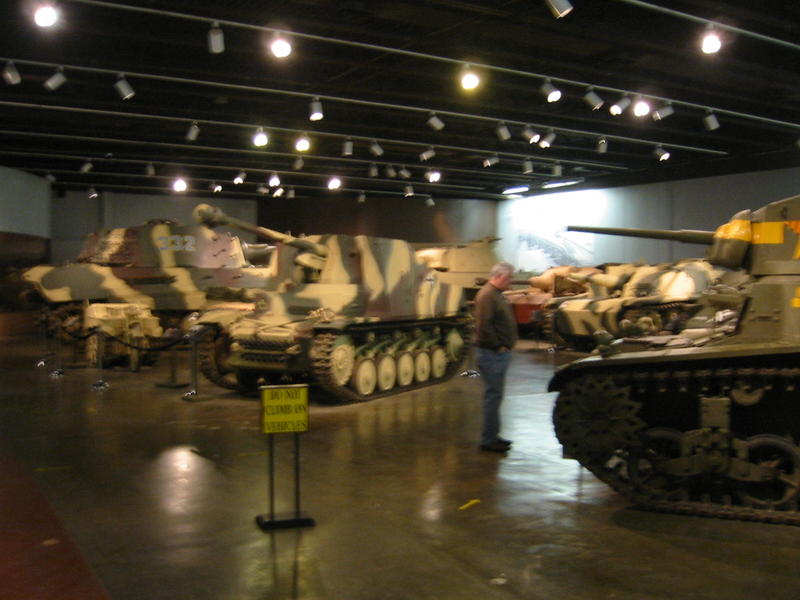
point(159, 236)
point(736, 229)
point(768, 232)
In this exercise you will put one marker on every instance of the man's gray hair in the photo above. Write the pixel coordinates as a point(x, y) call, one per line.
point(502, 268)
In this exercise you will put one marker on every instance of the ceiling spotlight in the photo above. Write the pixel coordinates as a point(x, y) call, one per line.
point(408, 190)
point(433, 176)
point(46, 15)
point(92, 192)
point(50, 177)
point(660, 153)
point(663, 112)
point(557, 169)
point(427, 154)
point(56, 80)
point(620, 106)
point(602, 145)
point(192, 132)
point(435, 122)
point(547, 140)
point(711, 42)
point(240, 177)
point(315, 110)
point(559, 8)
point(551, 92)
point(641, 107)
point(375, 148)
point(334, 183)
point(710, 121)
point(492, 160)
point(215, 187)
point(260, 137)
point(593, 99)
point(298, 163)
point(429, 202)
point(502, 131)
point(281, 48)
point(10, 74)
point(469, 78)
point(404, 173)
point(290, 192)
point(530, 134)
point(263, 190)
point(124, 88)
point(179, 185)
point(527, 166)
point(302, 144)
point(216, 39)
point(347, 147)
point(149, 169)
point(361, 198)
point(517, 189)
point(278, 193)
point(274, 180)
point(86, 166)
point(390, 171)
point(373, 170)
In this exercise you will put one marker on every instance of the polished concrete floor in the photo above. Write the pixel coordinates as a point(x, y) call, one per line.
point(160, 494)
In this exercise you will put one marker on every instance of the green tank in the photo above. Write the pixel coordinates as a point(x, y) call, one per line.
point(707, 425)
point(168, 268)
point(359, 316)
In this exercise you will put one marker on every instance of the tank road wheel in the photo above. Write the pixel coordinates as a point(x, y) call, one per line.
point(646, 464)
point(342, 360)
point(387, 372)
point(214, 348)
point(405, 369)
point(422, 366)
point(438, 362)
point(365, 376)
point(784, 457)
point(454, 344)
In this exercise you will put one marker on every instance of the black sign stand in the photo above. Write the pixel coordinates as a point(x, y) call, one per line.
point(268, 522)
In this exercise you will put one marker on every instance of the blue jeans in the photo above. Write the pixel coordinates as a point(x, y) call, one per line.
point(493, 367)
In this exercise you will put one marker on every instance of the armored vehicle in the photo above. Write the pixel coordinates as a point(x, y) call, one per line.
point(166, 267)
point(710, 428)
point(359, 316)
point(462, 264)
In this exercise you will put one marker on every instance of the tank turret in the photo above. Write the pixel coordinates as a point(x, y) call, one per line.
point(704, 422)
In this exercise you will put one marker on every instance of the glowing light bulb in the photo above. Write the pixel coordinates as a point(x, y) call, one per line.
point(280, 47)
point(45, 16)
point(179, 185)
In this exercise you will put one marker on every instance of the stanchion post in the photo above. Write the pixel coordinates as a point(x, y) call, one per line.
point(284, 409)
point(192, 393)
point(173, 382)
point(100, 385)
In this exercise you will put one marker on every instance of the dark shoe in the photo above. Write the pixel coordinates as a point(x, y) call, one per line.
point(494, 447)
point(504, 441)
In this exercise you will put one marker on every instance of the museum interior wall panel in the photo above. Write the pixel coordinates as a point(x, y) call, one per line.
point(401, 218)
point(24, 203)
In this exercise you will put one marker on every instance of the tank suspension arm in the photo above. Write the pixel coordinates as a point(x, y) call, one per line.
point(212, 216)
point(687, 236)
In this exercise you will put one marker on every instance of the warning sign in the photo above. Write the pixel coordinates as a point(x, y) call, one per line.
point(284, 408)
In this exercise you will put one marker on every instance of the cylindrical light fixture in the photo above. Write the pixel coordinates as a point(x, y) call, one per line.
point(492, 160)
point(192, 132)
point(434, 122)
point(429, 202)
point(280, 46)
point(375, 148)
point(86, 166)
point(557, 171)
point(263, 190)
point(527, 166)
point(602, 145)
point(660, 153)
point(641, 107)
point(278, 193)
point(215, 187)
point(10, 74)
point(620, 106)
point(274, 180)
point(502, 131)
point(548, 140)
point(260, 137)
point(373, 170)
point(711, 42)
point(551, 92)
point(334, 183)
point(404, 172)
point(530, 134)
point(390, 171)
point(433, 176)
point(46, 15)
point(361, 198)
point(347, 147)
point(298, 163)
point(593, 99)
point(216, 39)
point(559, 8)
point(92, 192)
point(290, 192)
point(469, 78)
point(240, 177)
point(408, 190)
point(179, 184)
point(56, 80)
point(710, 121)
point(315, 110)
point(124, 89)
point(150, 169)
point(663, 112)
point(427, 154)
point(303, 143)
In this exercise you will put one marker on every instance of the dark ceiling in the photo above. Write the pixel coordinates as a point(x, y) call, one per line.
point(380, 68)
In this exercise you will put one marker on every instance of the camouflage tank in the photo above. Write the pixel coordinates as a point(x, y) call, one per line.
point(169, 268)
point(359, 316)
point(704, 426)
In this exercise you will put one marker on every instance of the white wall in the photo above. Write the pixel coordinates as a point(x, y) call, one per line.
point(533, 229)
point(24, 203)
point(75, 216)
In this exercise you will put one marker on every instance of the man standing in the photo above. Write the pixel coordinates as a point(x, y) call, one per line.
point(495, 336)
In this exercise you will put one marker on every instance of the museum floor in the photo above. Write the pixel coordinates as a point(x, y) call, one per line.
point(145, 495)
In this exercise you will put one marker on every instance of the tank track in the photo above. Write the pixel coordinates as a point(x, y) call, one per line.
point(322, 346)
point(208, 347)
point(601, 415)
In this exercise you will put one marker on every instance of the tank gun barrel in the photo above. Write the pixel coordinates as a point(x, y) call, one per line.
point(213, 216)
point(687, 236)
